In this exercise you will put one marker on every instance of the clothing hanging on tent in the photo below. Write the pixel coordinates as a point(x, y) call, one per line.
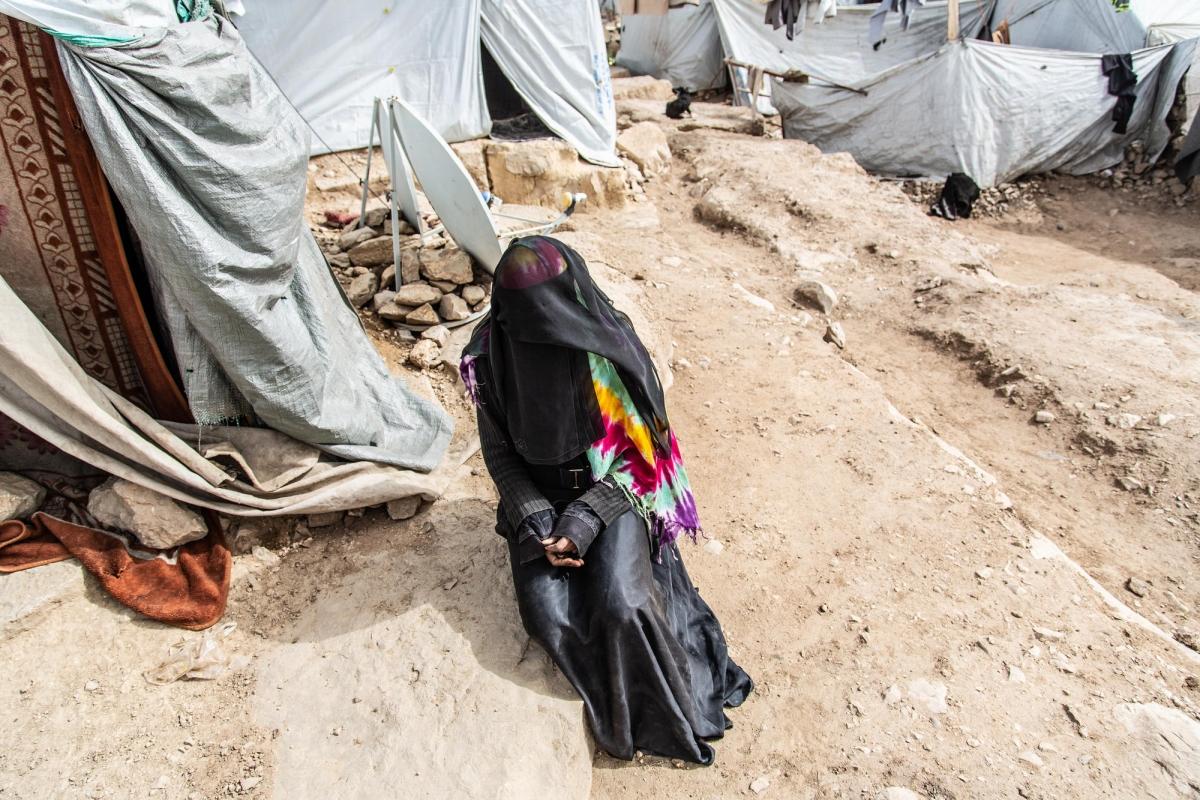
point(1122, 84)
point(904, 7)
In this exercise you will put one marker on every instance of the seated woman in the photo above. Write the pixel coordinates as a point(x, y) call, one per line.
point(593, 496)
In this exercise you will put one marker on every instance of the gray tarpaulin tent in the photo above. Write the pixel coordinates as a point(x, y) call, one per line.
point(688, 44)
point(682, 46)
point(208, 161)
point(333, 59)
point(992, 111)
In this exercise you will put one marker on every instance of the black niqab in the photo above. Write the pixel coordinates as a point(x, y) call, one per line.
point(532, 354)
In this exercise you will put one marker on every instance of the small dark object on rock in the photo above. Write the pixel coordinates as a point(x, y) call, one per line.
point(1191, 682)
point(1187, 639)
point(682, 104)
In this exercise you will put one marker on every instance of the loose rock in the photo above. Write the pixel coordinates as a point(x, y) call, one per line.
point(450, 265)
point(1044, 417)
point(453, 308)
point(19, 496)
point(1124, 421)
point(816, 295)
point(265, 556)
point(424, 315)
point(355, 237)
point(760, 784)
point(404, 508)
point(326, 519)
point(438, 333)
point(835, 335)
point(381, 299)
point(372, 253)
point(417, 294)
point(473, 294)
point(410, 266)
point(362, 289)
point(425, 354)
point(153, 519)
point(393, 312)
point(645, 144)
point(1130, 484)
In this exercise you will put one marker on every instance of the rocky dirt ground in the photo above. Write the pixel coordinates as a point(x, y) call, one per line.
point(958, 555)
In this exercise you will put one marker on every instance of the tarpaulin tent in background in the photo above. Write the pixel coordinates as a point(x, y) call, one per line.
point(682, 46)
point(333, 59)
point(838, 48)
point(1092, 26)
point(688, 45)
point(992, 111)
point(209, 162)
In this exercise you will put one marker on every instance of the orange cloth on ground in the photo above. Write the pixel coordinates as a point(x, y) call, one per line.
point(190, 593)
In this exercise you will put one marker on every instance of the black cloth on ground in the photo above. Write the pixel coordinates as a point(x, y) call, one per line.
point(1122, 84)
point(958, 197)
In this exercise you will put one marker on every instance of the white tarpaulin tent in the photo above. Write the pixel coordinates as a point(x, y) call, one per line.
point(682, 46)
point(838, 47)
point(1092, 26)
point(687, 46)
point(209, 163)
point(333, 59)
point(995, 112)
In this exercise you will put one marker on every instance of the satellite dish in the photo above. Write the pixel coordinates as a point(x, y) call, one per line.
point(403, 190)
point(448, 187)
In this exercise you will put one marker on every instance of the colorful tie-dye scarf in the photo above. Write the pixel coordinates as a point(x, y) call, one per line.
point(655, 482)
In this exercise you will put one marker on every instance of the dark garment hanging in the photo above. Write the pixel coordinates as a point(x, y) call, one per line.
point(787, 13)
point(1122, 84)
point(631, 633)
point(958, 197)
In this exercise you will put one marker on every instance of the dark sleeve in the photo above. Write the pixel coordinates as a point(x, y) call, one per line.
point(518, 495)
point(608, 502)
point(579, 524)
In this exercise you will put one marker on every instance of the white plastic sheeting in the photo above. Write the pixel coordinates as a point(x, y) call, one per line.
point(1168, 21)
point(837, 48)
point(209, 163)
point(106, 19)
point(1094, 26)
point(682, 46)
point(994, 112)
point(1080, 26)
point(46, 391)
point(553, 53)
point(333, 59)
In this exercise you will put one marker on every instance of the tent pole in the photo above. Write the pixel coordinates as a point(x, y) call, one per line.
point(952, 20)
point(366, 184)
point(393, 197)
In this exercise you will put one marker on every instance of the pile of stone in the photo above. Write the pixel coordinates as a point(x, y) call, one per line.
point(439, 282)
point(995, 201)
point(1145, 179)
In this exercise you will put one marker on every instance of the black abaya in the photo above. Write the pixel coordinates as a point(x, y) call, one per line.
point(633, 636)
